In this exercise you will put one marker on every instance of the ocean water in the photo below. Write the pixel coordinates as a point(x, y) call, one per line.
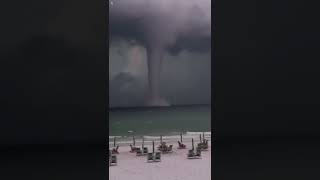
point(159, 121)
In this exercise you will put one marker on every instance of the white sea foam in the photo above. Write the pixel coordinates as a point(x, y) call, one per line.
point(186, 137)
point(198, 133)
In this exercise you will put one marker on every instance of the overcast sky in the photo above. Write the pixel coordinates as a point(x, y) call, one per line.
point(179, 30)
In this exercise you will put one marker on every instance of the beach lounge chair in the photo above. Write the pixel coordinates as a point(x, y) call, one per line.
point(113, 161)
point(203, 146)
point(115, 150)
point(166, 149)
point(145, 150)
point(190, 153)
point(157, 157)
point(139, 152)
point(181, 146)
point(150, 157)
point(169, 149)
point(133, 149)
point(162, 146)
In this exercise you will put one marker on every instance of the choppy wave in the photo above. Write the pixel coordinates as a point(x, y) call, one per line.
point(198, 133)
point(112, 137)
point(186, 137)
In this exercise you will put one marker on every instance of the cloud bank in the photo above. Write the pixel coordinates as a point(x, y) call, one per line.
point(159, 28)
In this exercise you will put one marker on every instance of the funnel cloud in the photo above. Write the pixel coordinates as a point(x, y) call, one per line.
point(156, 29)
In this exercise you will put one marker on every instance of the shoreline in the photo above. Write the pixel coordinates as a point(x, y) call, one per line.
point(170, 138)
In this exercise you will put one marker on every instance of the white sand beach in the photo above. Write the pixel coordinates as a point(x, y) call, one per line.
point(173, 166)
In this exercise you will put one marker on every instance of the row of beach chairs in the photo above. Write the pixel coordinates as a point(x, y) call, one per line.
point(163, 148)
point(203, 145)
point(194, 155)
point(139, 151)
point(151, 157)
point(154, 157)
point(142, 152)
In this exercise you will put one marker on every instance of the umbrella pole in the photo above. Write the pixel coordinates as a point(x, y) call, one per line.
point(134, 142)
point(203, 136)
point(114, 142)
point(192, 145)
point(142, 142)
point(152, 146)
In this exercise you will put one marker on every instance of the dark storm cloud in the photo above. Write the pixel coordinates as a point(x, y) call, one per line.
point(162, 27)
point(179, 24)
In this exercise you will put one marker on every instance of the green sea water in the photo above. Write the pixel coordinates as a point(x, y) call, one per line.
point(154, 121)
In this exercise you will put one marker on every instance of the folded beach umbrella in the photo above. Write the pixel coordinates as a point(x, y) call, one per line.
point(134, 141)
point(152, 146)
point(192, 144)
